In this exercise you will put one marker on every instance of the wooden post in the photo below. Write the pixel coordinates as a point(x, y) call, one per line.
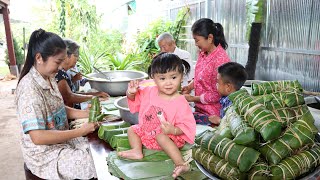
point(12, 58)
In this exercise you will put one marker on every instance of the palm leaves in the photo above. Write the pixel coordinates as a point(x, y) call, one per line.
point(123, 62)
point(88, 60)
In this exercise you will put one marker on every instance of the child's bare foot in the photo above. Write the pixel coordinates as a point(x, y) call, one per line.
point(131, 154)
point(180, 169)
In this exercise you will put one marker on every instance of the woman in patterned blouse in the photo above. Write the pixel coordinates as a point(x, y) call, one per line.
point(50, 150)
point(209, 38)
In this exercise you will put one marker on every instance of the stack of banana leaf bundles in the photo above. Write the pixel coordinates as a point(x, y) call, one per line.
point(268, 134)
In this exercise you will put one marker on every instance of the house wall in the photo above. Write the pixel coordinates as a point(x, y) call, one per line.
point(290, 44)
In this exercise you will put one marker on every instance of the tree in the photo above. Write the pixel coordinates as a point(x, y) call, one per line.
point(18, 54)
point(254, 25)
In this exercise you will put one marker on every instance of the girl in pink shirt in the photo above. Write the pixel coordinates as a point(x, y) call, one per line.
point(210, 40)
point(166, 121)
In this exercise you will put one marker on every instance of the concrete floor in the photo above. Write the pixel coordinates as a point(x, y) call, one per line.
point(11, 160)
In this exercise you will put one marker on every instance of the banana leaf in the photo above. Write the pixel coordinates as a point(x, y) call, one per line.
point(109, 133)
point(95, 109)
point(123, 144)
point(224, 128)
point(200, 137)
point(142, 170)
point(291, 115)
point(242, 132)
point(275, 86)
point(131, 170)
point(237, 155)
point(258, 117)
point(260, 171)
point(114, 139)
point(296, 136)
point(104, 127)
point(281, 99)
point(292, 167)
point(216, 165)
point(156, 155)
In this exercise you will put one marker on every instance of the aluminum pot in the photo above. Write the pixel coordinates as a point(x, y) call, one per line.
point(122, 104)
point(114, 83)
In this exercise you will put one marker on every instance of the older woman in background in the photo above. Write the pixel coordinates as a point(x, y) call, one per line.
point(64, 81)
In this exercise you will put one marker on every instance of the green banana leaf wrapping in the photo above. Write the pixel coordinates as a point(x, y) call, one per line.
point(296, 136)
point(259, 171)
point(154, 155)
point(104, 127)
point(216, 165)
point(123, 144)
point(281, 99)
point(114, 139)
point(290, 115)
point(275, 86)
point(292, 167)
point(109, 133)
point(224, 128)
point(242, 132)
point(200, 137)
point(284, 114)
point(95, 109)
point(258, 117)
point(237, 155)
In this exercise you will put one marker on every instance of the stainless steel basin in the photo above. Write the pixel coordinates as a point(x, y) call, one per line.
point(117, 83)
point(126, 115)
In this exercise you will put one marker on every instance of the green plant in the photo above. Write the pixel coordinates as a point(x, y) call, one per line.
point(88, 60)
point(254, 12)
point(146, 40)
point(124, 62)
point(17, 52)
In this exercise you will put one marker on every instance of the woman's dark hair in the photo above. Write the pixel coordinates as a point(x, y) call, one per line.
point(203, 27)
point(46, 43)
point(233, 73)
point(72, 47)
point(166, 62)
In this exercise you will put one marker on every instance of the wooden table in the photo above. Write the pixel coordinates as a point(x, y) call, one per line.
point(100, 150)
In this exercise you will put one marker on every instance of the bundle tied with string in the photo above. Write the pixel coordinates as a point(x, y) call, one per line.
point(292, 167)
point(242, 132)
point(296, 136)
point(260, 171)
point(224, 128)
point(216, 165)
point(275, 86)
point(237, 155)
point(258, 117)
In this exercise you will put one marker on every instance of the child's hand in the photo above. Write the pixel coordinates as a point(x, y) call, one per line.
point(133, 87)
point(186, 90)
point(214, 119)
point(166, 127)
point(188, 97)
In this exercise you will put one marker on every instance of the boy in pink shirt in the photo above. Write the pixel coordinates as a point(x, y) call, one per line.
point(166, 121)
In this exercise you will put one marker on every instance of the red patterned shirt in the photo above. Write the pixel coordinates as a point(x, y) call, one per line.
point(205, 80)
